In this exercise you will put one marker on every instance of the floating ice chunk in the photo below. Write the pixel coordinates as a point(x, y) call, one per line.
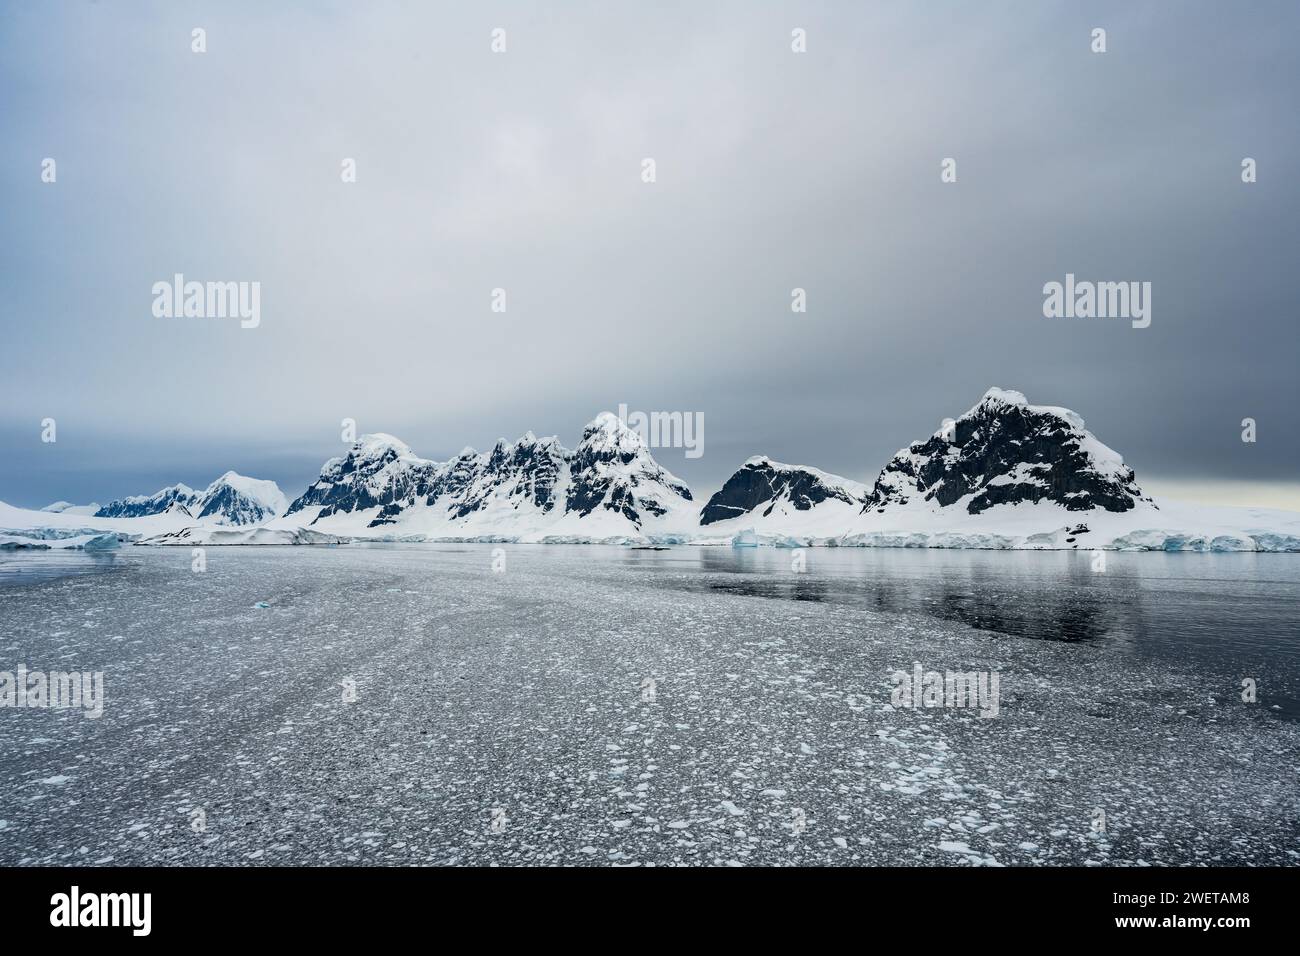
point(102, 542)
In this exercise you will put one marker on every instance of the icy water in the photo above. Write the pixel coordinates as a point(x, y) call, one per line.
point(30, 567)
point(406, 704)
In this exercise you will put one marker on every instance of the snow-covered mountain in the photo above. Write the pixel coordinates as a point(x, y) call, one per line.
point(612, 469)
point(609, 487)
point(231, 499)
point(377, 470)
point(1004, 451)
point(1006, 474)
point(1001, 454)
point(140, 506)
point(784, 499)
point(236, 499)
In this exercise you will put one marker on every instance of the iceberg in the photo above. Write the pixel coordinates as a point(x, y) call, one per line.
point(103, 542)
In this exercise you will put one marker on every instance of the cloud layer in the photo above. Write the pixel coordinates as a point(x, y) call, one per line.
point(522, 171)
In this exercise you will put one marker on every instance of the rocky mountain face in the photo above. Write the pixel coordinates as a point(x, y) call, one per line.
point(1005, 451)
point(762, 485)
point(526, 473)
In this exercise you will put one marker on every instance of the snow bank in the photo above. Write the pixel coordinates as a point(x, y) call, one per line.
point(751, 538)
point(248, 536)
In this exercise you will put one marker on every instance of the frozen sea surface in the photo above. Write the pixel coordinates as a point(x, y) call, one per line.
point(499, 718)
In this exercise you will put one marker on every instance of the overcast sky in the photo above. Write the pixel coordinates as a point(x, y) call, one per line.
point(522, 170)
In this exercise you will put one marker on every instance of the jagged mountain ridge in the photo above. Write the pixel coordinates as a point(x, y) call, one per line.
point(1006, 474)
point(1001, 453)
point(140, 506)
point(610, 474)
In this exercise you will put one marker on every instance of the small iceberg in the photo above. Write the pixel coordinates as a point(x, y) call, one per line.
point(103, 542)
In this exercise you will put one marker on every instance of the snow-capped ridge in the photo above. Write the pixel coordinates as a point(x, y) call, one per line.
point(139, 506)
point(609, 486)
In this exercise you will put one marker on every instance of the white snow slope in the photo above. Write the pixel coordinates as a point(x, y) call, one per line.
point(68, 508)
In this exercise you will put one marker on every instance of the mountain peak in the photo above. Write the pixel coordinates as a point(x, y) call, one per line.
point(1003, 401)
point(1004, 451)
point(377, 443)
point(610, 431)
point(613, 469)
point(765, 487)
point(237, 499)
point(1004, 396)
